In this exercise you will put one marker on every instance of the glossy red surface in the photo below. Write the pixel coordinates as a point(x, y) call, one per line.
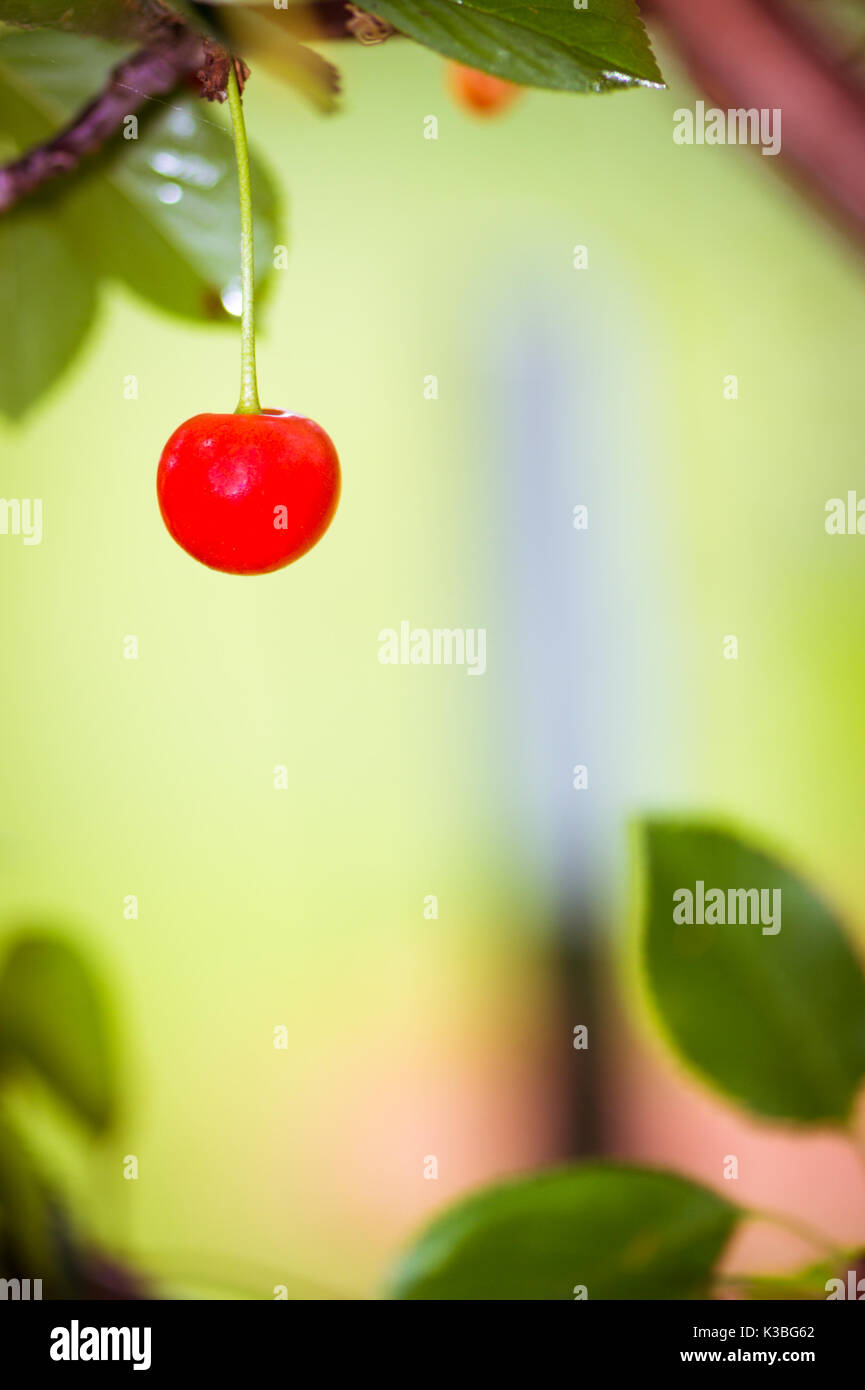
point(248, 494)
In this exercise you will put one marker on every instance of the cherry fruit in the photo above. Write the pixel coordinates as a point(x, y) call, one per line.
point(248, 493)
point(480, 91)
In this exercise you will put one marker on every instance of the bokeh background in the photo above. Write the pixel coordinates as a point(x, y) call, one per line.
point(410, 1037)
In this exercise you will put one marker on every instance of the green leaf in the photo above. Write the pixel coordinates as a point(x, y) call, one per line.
point(264, 36)
point(53, 1019)
point(159, 213)
point(47, 305)
point(602, 47)
point(26, 1236)
point(802, 1285)
point(109, 19)
point(186, 155)
point(623, 1233)
point(776, 1021)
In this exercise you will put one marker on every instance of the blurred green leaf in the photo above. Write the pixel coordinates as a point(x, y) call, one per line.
point(802, 1285)
point(26, 1236)
point(623, 1233)
point(160, 212)
point(47, 304)
point(180, 179)
point(53, 1019)
point(775, 1021)
point(552, 45)
point(110, 19)
point(139, 21)
point(262, 34)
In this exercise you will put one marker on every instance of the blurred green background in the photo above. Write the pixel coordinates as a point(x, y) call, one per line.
point(305, 907)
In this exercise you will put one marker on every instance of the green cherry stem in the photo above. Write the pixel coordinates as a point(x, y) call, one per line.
point(249, 403)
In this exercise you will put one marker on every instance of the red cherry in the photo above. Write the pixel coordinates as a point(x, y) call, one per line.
point(480, 91)
point(248, 494)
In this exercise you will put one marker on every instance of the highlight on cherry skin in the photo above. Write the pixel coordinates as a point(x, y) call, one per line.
point(248, 493)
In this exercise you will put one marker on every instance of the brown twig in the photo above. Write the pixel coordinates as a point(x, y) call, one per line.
point(178, 55)
point(175, 54)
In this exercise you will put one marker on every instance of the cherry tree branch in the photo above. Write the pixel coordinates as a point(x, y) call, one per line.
point(155, 71)
point(741, 53)
point(176, 54)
